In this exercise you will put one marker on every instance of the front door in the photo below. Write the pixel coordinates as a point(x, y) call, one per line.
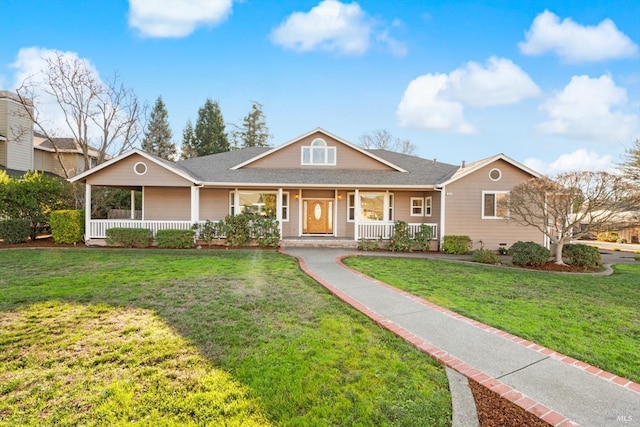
point(317, 216)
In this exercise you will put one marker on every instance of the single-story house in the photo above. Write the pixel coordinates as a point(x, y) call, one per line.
point(319, 187)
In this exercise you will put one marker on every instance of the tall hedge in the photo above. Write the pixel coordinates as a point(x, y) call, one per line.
point(67, 226)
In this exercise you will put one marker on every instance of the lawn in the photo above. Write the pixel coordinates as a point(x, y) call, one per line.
point(595, 319)
point(155, 337)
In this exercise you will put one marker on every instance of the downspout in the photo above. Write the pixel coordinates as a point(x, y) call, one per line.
point(442, 216)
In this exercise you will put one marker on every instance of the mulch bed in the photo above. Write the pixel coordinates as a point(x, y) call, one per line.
point(493, 411)
point(552, 266)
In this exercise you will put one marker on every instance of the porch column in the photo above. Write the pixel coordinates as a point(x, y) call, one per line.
point(195, 204)
point(87, 212)
point(356, 215)
point(133, 204)
point(279, 210)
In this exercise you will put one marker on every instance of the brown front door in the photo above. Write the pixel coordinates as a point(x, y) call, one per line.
point(317, 216)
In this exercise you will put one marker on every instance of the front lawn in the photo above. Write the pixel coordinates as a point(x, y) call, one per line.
point(595, 319)
point(153, 337)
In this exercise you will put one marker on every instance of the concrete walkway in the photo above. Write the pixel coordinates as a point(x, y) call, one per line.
point(556, 388)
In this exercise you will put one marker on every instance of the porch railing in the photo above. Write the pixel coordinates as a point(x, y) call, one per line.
point(384, 230)
point(98, 227)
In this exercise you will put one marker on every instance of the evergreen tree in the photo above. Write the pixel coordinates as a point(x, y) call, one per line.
point(631, 166)
point(157, 137)
point(209, 134)
point(188, 141)
point(254, 131)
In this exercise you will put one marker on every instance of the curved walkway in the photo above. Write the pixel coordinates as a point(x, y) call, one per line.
point(556, 388)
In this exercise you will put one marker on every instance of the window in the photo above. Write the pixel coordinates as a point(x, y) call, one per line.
point(259, 204)
point(376, 207)
point(494, 204)
point(495, 174)
point(417, 206)
point(428, 202)
point(318, 153)
point(390, 207)
point(351, 207)
point(285, 206)
point(140, 168)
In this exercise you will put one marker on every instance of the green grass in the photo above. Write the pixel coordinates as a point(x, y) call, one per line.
point(595, 319)
point(161, 337)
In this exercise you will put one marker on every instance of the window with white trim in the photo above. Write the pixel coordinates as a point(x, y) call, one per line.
point(494, 204)
point(390, 205)
point(351, 207)
point(428, 203)
point(259, 203)
point(417, 206)
point(318, 153)
point(375, 207)
point(285, 206)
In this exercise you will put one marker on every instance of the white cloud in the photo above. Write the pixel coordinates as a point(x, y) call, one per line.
point(579, 160)
point(170, 18)
point(585, 109)
point(576, 43)
point(332, 26)
point(436, 101)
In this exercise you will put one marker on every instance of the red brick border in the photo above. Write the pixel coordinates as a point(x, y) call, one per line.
point(528, 404)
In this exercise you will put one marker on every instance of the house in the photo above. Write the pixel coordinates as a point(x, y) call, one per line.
point(16, 136)
point(319, 187)
point(62, 157)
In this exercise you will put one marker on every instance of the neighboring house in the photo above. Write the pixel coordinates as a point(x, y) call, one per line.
point(319, 186)
point(16, 136)
point(69, 153)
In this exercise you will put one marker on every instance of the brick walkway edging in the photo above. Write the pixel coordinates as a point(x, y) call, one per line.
point(528, 404)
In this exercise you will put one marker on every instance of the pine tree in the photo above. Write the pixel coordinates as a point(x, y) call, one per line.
point(157, 137)
point(209, 134)
point(188, 140)
point(254, 131)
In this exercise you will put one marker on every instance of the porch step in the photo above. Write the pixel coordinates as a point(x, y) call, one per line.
point(319, 243)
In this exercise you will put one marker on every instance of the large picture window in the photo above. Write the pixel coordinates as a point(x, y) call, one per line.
point(494, 204)
point(376, 207)
point(318, 153)
point(263, 203)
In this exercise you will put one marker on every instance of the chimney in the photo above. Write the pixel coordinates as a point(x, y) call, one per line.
point(434, 161)
point(463, 164)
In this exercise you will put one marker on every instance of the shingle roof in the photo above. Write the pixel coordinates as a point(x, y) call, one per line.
point(216, 169)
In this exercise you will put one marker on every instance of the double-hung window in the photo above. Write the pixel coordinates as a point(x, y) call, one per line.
point(494, 204)
point(421, 206)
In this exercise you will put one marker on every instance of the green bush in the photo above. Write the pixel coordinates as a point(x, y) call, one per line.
point(368, 245)
point(422, 241)
point(485, 256)
point(129, 237)
point(175, 239)
point(265, 231)
point(456, 244)
point(503, 251)
point(237, 229)
point(67, 226)
point(529, 254)
point(401, 239)
point(209, 230)
point(608, 236)
point(581, 255)
point(15, 230)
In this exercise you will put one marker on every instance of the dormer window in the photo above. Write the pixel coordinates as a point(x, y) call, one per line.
point(318, 153)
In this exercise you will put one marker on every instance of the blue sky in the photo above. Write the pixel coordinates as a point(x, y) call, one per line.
point(555, 85)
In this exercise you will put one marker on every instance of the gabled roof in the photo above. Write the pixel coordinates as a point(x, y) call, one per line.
point(342, 141)
point(170, 166)
point(65, 145)
point(472, 167)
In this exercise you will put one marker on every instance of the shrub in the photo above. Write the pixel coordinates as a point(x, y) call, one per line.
point(529, 254)
point(456, 244)
point(608, 236)
point(209, 230)
point(368, 245)
point(175, 239)
point(401, 239)
point(265, 231)
point(129, 237)
point(502, 250)
point(15, 230)
point(422, 241)
point(67, 226)
point(485, 256)
point(581, 255)
point(236, 229)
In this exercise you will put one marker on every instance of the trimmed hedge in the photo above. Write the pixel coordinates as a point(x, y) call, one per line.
point(175, 239)
point(67, 226)
point(129, 237)
point(458, 245)
point(15, 230)
point(529, 253)
point(582, 255)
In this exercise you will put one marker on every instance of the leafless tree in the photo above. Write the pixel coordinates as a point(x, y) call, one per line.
point(571, 205)
point(107, 112)
point(382, 139)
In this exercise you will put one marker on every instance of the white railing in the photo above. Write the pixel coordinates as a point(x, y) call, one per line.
point(384, 230)
point(98, 227)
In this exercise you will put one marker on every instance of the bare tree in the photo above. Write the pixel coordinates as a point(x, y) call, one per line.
point(631, 166)
point(383, 140)
point(571, 205)
point(89, 107)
